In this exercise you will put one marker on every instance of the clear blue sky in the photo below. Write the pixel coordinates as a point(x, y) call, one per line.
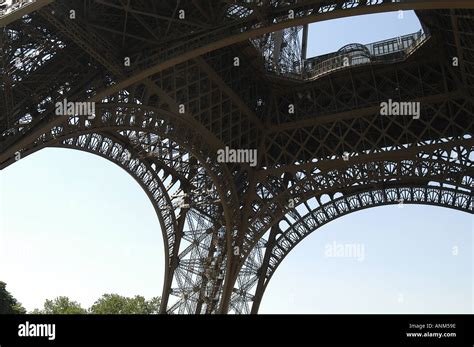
point(77, 225)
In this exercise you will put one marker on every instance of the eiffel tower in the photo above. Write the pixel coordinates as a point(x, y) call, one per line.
point(172, 83)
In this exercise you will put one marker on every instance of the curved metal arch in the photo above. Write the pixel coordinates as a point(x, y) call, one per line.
point(118, 117)
point(300, 8)
point(429, 164)
point(197, 227)
point(116, 151)
point(284, 241)
point(110, 147)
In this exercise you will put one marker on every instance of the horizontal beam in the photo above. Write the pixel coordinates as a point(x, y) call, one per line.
point(334, 164)
point(356, 113)
point(230, 40)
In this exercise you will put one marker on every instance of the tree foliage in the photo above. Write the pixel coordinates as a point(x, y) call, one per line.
point(8, 304)
point(117, 304)
point(61, 305)
point(107, 304)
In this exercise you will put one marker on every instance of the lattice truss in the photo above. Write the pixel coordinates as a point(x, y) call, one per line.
point(227, 227)
point(442, 177)
point(185, 200)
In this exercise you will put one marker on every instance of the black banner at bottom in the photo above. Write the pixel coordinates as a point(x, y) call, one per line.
point(448, 330)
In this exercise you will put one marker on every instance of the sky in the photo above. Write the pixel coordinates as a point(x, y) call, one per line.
point(74, 224)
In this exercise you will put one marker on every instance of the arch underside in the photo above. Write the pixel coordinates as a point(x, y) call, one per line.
point(299, 225)
point(245, 25)
point(185, 200)
point(207, 208)
point(268, 254)
point(242, 23)
point(448, 164)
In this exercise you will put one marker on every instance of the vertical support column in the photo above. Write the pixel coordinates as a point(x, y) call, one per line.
point(173, 264)
point(277, 41)
point(229, 282)
point(304, 43)
point(7, 94)
point(263, 269)
point(211, 277)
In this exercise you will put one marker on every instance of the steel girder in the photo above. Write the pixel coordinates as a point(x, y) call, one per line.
point(447, 169)
point(238, 22)
point(178, 188)
point(225, 207)
point(245, 24)
point(269, 253)
point(207, 194)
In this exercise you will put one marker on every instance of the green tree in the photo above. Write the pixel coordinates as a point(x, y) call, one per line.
point(61, 305)
point(8, 304)
point(117, 304)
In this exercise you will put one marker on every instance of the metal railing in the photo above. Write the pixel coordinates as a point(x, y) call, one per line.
point(387, 51)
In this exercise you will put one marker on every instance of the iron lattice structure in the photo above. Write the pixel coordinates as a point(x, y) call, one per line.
point(163, 117)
